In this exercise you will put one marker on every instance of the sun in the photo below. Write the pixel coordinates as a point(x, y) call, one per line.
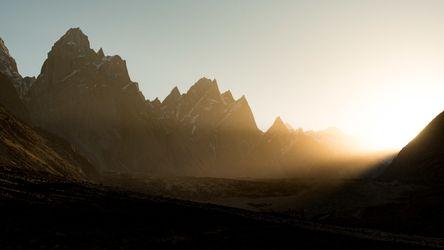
point(396, 115)
point(393, 131)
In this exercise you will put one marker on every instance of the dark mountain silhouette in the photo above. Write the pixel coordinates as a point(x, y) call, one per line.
point(23, 147)
point(422, 159)
point(89, 100)
point(208, 135)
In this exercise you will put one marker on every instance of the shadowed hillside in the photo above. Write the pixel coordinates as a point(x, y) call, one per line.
point(25, 148)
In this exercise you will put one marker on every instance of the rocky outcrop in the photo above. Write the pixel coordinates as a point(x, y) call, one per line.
point(11, 83)
point(8, 65)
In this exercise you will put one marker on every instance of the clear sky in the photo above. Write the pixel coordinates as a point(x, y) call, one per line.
point(374, 69)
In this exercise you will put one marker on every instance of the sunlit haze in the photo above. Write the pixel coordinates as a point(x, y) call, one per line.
point(374, 69)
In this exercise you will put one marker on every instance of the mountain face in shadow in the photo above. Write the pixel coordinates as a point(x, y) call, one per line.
point(88, 99)
point(422, 159)
point(10, 82)
point(208, 131)
point(23, 147)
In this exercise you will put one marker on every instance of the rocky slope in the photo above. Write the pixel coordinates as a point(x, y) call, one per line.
point(10, 81)
point(24, 148)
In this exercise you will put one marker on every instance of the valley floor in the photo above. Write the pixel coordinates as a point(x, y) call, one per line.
point(48, 212)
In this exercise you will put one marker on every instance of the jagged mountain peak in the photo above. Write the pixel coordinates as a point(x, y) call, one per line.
point(203, 88)
point(175, 91)
point(242, 99)
point(156, 101)
point(8, 65)
point(73, 44)
point(75, 31)
point(278, 127)
point(67, 55)
point(203, 84)
point(3, 48)
point(74, 37)
point(240, 116)
point(154, 105)
point(8, 68)
point(203, 80)
point(173, 97)
point(278, 122)
point(228, 97)
point(242, 102)
point(71, 55)
point(100, 53)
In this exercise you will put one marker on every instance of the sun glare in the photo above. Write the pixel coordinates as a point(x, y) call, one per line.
point(397, 114)
point(394, 132)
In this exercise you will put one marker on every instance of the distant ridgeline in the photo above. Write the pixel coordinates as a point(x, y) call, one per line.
point(88, 99)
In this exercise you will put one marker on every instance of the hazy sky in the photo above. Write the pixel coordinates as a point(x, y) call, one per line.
point(374, 69)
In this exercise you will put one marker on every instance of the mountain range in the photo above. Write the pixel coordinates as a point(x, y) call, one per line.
point(88, 99)
point(84, 105)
